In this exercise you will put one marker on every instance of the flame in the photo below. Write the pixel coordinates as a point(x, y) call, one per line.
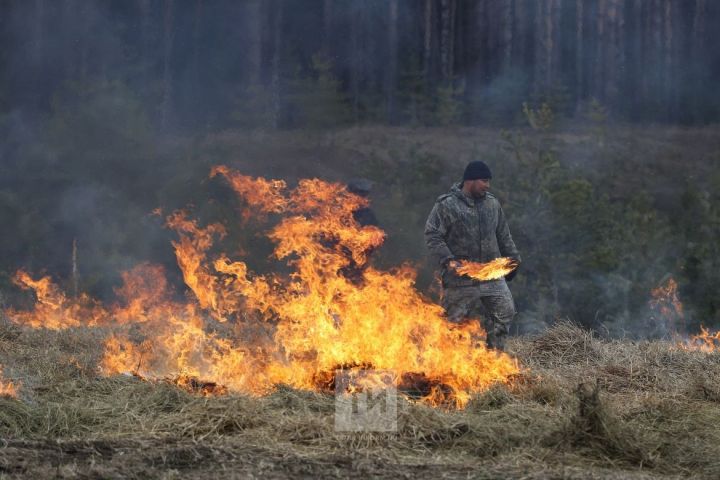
point(666, 304)
point(667, 308)
point(492, 270)
point(53, 309)
point(705, 341)
point(7, 388)
point(247, 332)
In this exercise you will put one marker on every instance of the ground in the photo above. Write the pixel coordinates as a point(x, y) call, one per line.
point(584, 407)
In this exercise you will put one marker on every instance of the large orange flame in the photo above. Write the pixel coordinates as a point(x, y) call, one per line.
point(333, 311)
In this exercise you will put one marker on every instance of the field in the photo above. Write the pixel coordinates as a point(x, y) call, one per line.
point(584, 407)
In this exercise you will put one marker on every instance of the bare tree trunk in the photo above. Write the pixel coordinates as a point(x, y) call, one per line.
point(620, 67)
point(254, 51)
point(507, 35)
point(540, 45)
point(697, 49)
point(579, 53)
point(328, 15)
point(598, 83)
point(39, 32)
point(484, 39)
point(520, 28)
point(657, 16)
point(446, 39)
point(391, 71)
point(554, 40)
point(168, 40)
point(453, 36)
point(698, 28)
point(355, 68)
point(547, 34)
point(277, 51)
point(668, 78)
point(144, 8)
point(634, 63)
point(610, 90)
point(428, 43)
point(70, 53)
point(197, 32)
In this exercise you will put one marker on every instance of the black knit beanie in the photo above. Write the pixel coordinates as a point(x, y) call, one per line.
point(475, 170)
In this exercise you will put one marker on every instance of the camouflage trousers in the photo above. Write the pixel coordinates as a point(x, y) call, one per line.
point(471, 303)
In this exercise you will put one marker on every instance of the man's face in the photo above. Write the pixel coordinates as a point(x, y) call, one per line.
point(479, 187)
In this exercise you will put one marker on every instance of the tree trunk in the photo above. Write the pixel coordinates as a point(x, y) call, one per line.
point(196, 35)
point(620, 53)
point(328, 16)
point(546, 51)
point(355, 68)
point(697, 53)
point(520, 27)
point(428, 42)
point(254, 51)
point(144, 8)
point(599, 78)
point(579, 53)
point(39, 33)
point(668, 78)
point(391, 70)
point(610, 57)
point(277, 57)
point(168, 40)
point(506, 35)
point(446, 39)
point(540, 62)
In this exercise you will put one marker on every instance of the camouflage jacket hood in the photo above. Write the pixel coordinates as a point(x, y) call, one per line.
point(463, 227)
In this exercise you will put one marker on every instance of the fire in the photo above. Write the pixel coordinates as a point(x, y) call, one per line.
point(7, 388)
point(667, 308)
point(492, 270)
point(249, 332)
point(53, 309)
point(705, 341)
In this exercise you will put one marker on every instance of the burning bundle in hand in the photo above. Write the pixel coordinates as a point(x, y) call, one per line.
point(492, 270)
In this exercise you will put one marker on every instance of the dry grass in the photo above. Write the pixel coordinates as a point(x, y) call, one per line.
point(585, 408)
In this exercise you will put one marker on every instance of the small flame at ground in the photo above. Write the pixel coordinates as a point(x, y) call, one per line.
point(249, 332)
point(492, 270)
point(705, 341)
point(667, 309)
point(8, 388)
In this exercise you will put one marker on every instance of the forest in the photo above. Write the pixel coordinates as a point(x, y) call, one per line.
point(208, 64)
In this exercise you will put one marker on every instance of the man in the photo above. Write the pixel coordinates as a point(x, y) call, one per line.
point(468, 223)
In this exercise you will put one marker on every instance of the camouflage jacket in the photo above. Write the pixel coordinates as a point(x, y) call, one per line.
point(462, 227)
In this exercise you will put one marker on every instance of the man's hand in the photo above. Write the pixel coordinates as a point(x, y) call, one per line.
point(451, 263)
point(509, 277)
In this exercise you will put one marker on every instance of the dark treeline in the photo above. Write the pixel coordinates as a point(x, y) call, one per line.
point(289, 63)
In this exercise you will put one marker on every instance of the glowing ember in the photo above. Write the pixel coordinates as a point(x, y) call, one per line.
point(7, 388)
point(250, 332)
point(492, 270)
